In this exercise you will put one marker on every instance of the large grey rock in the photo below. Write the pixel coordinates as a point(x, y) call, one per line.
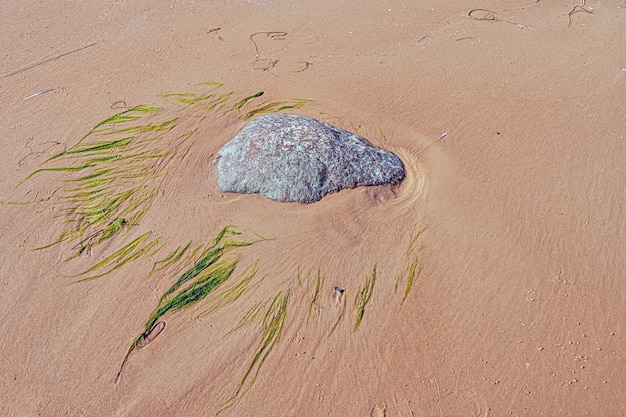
point(291, 158)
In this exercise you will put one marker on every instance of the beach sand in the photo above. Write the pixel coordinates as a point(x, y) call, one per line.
point(510, 223)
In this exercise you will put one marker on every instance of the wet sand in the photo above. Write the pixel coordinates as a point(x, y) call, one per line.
point(510, 124)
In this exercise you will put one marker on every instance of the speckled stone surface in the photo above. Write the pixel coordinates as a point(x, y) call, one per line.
point(291, 158)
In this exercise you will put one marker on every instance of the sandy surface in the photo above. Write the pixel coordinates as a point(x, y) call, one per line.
point(519, 306)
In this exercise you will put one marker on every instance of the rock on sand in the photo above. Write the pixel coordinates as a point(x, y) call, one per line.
point(291, 158)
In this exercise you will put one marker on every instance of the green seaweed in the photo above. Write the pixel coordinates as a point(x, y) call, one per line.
point(363, 296)
point(99, 237)
point(299, 279)
point(414, 269)
point(274, 107)
point(102, 169)
point(341, 314)
point(231, 294)
point(241, 103)
point(319, 283)
point(415, 234)
point(214, 267)
point(171, 259)
point(271, 331)
point(105, 196)
point(186, 98)
point(129, 252)
point(252, 314)
point(126, 116)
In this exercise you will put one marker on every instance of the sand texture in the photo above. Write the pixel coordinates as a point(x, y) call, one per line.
point(489, 282)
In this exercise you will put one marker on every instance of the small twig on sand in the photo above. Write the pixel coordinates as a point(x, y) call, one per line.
point(266, 64)
point(215, 30)
point(484, 14)
point(120, 104)
point(488, 14)
point(48, 60)
point(582, 7)
point(35, 154)
point(306, 64)
point(275, 36)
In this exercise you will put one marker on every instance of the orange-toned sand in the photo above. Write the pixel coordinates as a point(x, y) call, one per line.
point(519, 309)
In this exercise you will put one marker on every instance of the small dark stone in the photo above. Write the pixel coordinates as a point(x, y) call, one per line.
point(291, 158)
